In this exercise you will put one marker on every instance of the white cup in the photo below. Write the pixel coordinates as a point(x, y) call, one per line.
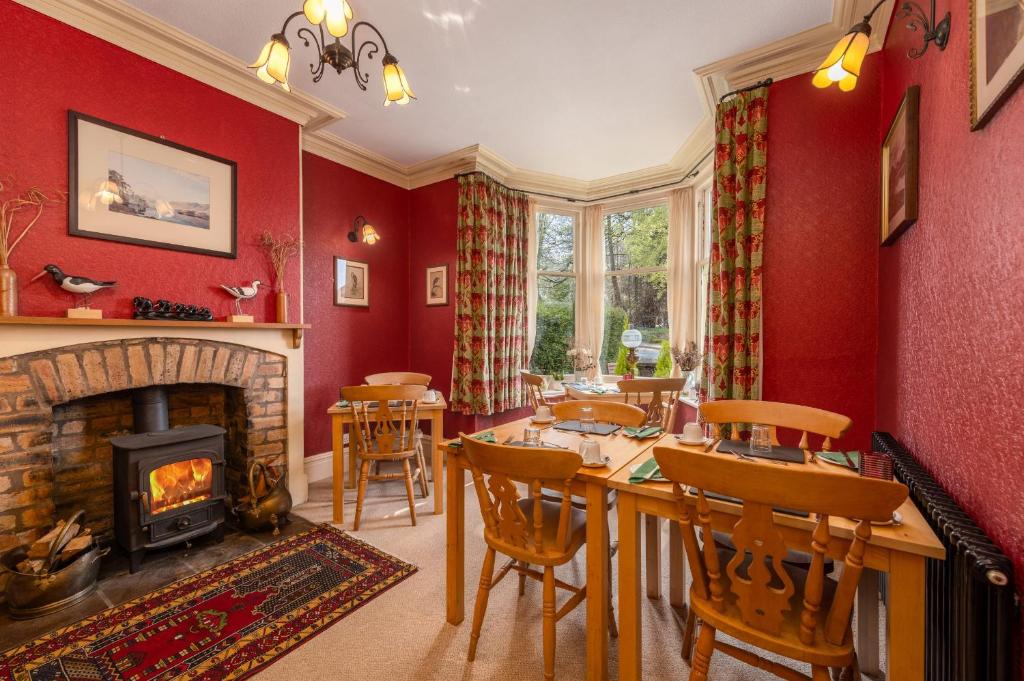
point(430, 396)
point(543, 413)
point(590, 450)
point(692, 432)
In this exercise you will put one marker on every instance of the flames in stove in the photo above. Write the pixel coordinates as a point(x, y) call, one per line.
point(180, 483)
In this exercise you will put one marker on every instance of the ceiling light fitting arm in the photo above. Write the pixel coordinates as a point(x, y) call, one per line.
point(362, 77)
point(932, 32)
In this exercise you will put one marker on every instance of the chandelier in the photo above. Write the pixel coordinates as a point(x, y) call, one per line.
point(334, 16)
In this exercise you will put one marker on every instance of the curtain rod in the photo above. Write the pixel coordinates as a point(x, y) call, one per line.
point(761, 83)
point(693, 172)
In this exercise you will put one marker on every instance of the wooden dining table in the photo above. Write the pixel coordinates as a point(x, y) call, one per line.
point(898, 550)
point(590, 483)
point(341, 418)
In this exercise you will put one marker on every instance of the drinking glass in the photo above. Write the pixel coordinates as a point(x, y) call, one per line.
point(531, 437)
point(587, 419)
point(760, 439)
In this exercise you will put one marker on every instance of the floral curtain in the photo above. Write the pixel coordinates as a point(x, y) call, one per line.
point(732, 347)
point(490, 297)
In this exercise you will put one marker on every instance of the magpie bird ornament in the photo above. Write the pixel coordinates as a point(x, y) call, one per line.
point(80, 286)
point(242, 293)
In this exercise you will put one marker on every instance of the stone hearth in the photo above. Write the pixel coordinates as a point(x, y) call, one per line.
point(59, 407)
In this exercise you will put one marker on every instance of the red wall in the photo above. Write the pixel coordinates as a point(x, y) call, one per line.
point(820, 252)
point(56, 68)
point(347, 343)
point(951, 291)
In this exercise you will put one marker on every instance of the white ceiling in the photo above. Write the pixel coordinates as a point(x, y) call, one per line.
point(580, 88)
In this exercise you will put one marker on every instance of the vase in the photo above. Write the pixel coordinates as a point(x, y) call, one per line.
point(8, 292)
point(282, 307)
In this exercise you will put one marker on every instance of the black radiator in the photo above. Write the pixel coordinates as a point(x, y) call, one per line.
point(971, 610)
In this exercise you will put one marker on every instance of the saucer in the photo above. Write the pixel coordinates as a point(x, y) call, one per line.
point(681, 440)
point(604, 462)
point(534, 419)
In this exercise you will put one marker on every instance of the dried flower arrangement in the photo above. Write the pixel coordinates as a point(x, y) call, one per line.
point(34, 199)
point(687, 360)
point(280, 249)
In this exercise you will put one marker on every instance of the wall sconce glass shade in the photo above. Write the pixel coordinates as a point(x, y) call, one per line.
point(396, 86)
point(337, 13)
point(843, 64)
point(274, 61)
point(370, 235)
point(362, 230)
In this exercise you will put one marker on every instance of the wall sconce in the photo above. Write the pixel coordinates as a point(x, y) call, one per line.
point(842, 65)
point(362, 229)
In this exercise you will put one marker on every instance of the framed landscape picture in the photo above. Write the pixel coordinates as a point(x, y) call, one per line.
point(997, 55)
point(899, 169)
point(437, 285)
point(135, 188)
point(351, 283)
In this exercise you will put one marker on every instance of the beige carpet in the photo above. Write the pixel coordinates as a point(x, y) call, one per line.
point(403, 635)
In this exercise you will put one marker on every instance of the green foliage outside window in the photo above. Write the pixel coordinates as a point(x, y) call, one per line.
point(663, 367)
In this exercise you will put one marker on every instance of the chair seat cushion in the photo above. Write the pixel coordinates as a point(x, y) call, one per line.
point(795, 558)
point(578, 501)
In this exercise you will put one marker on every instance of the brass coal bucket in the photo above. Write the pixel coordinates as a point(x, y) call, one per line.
point(31, 595)
point(268, 503)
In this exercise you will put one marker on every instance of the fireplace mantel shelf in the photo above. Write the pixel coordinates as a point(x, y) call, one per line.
point(296, 329)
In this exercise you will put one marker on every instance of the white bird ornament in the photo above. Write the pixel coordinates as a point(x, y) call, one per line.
point(242, 293)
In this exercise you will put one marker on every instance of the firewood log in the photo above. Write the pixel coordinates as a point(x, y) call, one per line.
point(73, 548)
point(41, 547)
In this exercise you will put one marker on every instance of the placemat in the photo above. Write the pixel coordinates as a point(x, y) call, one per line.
point(778, 453)
point(734, 500)
point(574, 426)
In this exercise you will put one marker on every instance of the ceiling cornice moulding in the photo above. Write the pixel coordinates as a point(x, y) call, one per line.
point(136, 31)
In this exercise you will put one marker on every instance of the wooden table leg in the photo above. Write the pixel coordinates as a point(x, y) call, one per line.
point(630, 630)
point(652, 540)
point(597, 582)
point(676, 567)
point(338, 471)
point(905, 617)
point(351, 458)
point(437, 460)
point(867, 623)
point(455, 524)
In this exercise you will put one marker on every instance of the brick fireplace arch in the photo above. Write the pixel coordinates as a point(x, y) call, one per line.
point(33, 384)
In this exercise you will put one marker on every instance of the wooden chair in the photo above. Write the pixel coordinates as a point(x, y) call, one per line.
point(751, 593)
point(534, 389)
point(608, 412)
point(388, 435)
point(398, 378)
point(829, 425)
point(407, 378)
point(661, 409)
point(528, 530)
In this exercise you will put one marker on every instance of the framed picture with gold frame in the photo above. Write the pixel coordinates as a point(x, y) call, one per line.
point(997, 55)
point(437, 285)
point(900, 168)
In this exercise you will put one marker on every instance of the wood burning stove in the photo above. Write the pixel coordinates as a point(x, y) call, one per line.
point(168, 484)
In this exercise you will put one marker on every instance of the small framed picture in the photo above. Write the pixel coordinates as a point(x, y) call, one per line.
point(997, 55)
point(899, 169)
point(351, 283)
point(437, 285)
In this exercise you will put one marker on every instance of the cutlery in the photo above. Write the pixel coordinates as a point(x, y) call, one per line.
point(849, 461)
point(711, 445)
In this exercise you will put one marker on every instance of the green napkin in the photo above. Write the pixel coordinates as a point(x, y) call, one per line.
point(648, 470)
point(641, 433)
point(342, 403)
point(839, 459)
point(483, 437)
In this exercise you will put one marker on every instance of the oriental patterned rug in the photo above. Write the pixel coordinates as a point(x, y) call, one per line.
point(224, 623)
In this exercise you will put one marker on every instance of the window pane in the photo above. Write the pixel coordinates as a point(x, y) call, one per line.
point(641, 302)
point(556, 319)
point(636, 238)
point(555, 242)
